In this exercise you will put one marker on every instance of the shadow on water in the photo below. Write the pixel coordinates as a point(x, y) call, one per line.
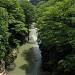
point(31, 61)
point(29, 57)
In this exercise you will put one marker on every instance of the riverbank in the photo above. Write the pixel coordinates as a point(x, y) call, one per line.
point(28, 61)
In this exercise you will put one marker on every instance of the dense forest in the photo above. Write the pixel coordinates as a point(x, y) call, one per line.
point(56, 23)
point(15, 17)
point(55, 20)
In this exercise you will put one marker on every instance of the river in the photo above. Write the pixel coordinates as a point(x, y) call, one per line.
point(28, 61)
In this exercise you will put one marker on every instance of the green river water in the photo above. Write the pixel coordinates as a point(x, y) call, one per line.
point(28, 61)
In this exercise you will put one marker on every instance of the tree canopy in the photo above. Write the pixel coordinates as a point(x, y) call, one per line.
point(56, 31)
point(15, 15)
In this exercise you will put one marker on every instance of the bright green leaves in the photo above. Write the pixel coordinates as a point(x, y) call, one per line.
point(19, 31)
point(64, 64)
point(13, 31)
point(4, 34)
point(20, 26)
point(55, 20)
point(56, 25)
point(13, 7)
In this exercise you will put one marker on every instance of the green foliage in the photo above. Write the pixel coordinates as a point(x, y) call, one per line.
point(68, 64)
point(18, 30)
point(40, 3)
point(56, 25)
point(29, 11)
point(14, 9)
point(14, 14)
point(4, 34)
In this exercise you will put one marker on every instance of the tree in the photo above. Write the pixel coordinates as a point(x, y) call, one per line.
point(4, 34)
point(16, 19)
point(56, 31)
point(29, 10)
point(13, 26)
